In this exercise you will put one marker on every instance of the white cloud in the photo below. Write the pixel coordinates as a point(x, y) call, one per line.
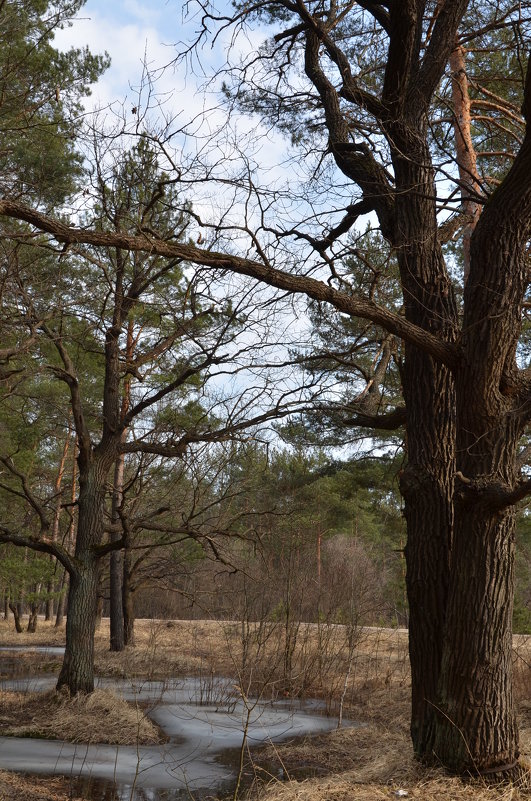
point(127, 43)
point(134, 33)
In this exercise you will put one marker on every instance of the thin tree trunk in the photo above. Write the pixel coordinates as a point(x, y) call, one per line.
point(99, 604)
point(62, 603)
point(116, 564)
point(18, 624)
point(128, 601)
point(465, 151)
point(33, 618)
point(118, 592)
point(56, 517)
point(49, 607)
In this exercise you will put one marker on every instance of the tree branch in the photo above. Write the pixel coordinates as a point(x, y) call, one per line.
point(440, 350)
point(495, 496)
point(383, 422)
point(68, 375)
point(440, 46)
point(38, 543)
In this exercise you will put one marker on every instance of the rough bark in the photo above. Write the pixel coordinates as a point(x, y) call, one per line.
point(77, 672)
point(117, 614)
point(49, 605)
point(476, 727)
point(427, 481)
point(62, 602)
point(56, 518)
point(469, 723)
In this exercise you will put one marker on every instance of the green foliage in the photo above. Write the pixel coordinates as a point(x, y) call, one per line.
point(40, 93)
point(300, 505)
point(25, 574)
point(270, 94)
point(353, 362)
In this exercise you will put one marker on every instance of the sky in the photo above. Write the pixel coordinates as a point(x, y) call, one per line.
point(151, 32)
point(134, 32)
point(131, 32)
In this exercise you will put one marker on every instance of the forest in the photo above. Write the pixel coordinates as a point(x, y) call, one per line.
point(265, 363)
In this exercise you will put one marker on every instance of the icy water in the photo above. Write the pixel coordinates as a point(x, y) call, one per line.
point(204, 723)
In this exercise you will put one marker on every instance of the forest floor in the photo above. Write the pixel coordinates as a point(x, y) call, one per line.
point(367, 682)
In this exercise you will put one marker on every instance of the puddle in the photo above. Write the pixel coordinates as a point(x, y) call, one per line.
point(19, 660)
point(205, 729)
point(30, 649)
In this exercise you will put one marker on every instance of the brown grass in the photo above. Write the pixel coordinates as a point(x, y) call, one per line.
point(15, 787)
point(367, 763)
point(100, 717)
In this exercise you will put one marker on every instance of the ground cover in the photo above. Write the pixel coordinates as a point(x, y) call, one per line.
point(368, 683)
point(101, 717)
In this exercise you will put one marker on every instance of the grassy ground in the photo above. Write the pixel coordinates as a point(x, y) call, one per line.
point(368, 683)
point(101, 717)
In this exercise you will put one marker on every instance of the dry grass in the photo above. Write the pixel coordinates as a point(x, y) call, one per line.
point(15, 787)
point(367, 763)
point(100, 717)
point(347, 788)
point(46, 634)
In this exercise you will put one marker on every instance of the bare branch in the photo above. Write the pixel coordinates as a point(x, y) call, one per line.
point(440, 350)
point(42, 544)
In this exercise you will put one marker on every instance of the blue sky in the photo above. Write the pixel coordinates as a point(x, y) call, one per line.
point(130, 31)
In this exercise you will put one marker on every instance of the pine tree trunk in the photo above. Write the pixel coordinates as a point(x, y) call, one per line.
point(118, 624)
point(476, 725)
point(62, 603)
point(476, 728)
point(48, 608)
point(116, 611)
point(426, 486)
point(469, 180)
point(56, 518)
point(33, 618)
point(99, 606)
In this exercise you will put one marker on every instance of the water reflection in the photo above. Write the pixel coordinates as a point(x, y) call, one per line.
point(202, 728)
point(98, 790)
